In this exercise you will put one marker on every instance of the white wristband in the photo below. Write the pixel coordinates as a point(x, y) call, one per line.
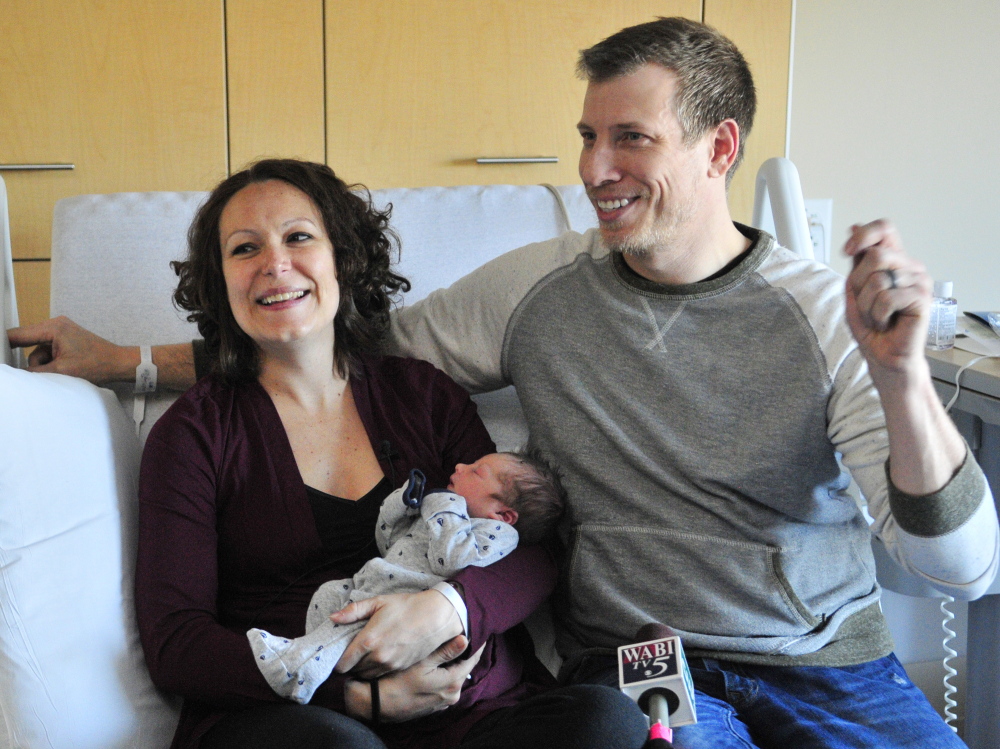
point(145, 373)
point(145, 382)
point(455, 600)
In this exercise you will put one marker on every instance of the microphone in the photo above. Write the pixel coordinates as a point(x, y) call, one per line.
point(654, 672)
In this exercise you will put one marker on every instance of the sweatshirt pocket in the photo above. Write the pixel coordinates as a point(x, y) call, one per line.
point(708, 585)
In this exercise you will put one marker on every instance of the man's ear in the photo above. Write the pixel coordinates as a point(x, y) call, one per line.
point(724, 145)
point(508, 515)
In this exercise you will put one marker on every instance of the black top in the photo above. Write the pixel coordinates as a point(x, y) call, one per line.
point(346, 528)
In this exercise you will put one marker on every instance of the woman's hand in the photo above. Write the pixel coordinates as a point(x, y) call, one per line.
point(433, 684)
point(403, 629)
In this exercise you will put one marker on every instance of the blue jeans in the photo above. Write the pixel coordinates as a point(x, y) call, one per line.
point(742, 706)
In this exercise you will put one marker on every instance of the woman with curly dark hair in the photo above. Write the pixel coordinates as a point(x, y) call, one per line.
point(364, 244)
point(265, 480)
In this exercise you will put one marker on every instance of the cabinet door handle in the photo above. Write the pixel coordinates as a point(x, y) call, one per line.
point(34, 167)
point(518, 160)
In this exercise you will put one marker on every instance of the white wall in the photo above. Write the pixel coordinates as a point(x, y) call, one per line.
point(895, 109)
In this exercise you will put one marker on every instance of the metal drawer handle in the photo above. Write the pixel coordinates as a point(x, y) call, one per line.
point(518, 160)
point(34, 167)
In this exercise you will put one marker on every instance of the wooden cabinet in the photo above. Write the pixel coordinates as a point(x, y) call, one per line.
point(132, 93)
point(435, 84)
point(762, 29)
point(274, 54)
point(391, 93)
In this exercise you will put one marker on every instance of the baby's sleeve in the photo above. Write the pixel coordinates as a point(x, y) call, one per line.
point(394, 520)
point(457, 540)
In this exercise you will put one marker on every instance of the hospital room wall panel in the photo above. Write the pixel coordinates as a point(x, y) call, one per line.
point(762, 29)
point(31, 279)
point(499, 82)
point(435, 84)
point(134, 97)
point(274, 60)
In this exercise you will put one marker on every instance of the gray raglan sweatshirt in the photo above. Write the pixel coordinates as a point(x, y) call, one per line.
point(698, 429)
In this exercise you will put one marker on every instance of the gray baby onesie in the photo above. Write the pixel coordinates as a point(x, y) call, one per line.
point(419, 547)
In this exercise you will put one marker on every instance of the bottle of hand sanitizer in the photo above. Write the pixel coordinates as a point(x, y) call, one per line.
point(944, 314)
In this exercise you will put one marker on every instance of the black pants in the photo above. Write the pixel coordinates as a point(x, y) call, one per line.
point(578, 717)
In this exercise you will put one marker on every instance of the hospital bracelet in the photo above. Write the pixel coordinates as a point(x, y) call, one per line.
point(145, 382)
point(457, 601)
point(145, 373)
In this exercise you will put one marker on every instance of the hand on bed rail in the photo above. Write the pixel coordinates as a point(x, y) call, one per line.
point(63, 347)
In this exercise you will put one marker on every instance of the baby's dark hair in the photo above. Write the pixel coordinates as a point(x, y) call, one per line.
point(534, 489)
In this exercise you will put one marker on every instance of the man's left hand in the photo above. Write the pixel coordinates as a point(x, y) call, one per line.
point(888, 299)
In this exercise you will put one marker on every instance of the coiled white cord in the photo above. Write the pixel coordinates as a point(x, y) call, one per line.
point(949, 634)
point(949, 672)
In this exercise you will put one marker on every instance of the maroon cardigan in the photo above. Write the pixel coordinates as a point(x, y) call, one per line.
point(227, 541)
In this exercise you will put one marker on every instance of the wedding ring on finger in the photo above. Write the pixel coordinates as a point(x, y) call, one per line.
point(891, 273)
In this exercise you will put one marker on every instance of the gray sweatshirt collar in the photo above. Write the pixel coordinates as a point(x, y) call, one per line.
point(761, 245)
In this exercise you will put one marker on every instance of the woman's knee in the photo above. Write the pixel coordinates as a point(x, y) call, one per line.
point(606, 717)
point(299, 726)
point(584, 716)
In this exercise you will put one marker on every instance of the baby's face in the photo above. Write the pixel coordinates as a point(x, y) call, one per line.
point(480, 483)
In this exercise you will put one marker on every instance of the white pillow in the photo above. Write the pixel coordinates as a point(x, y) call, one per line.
point(72, 675)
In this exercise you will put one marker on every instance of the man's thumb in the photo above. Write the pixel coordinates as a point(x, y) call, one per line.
point(450, 650)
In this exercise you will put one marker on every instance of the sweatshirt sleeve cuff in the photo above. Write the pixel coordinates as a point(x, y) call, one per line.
point(943, 511)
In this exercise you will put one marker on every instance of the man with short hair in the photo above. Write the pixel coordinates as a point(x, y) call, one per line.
point(696, 383)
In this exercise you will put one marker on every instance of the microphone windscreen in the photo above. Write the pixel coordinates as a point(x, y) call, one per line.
point(653, 631)
point(657, 744)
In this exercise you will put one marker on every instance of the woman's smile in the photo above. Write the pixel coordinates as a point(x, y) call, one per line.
point(278, 264)
point(275, 298)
